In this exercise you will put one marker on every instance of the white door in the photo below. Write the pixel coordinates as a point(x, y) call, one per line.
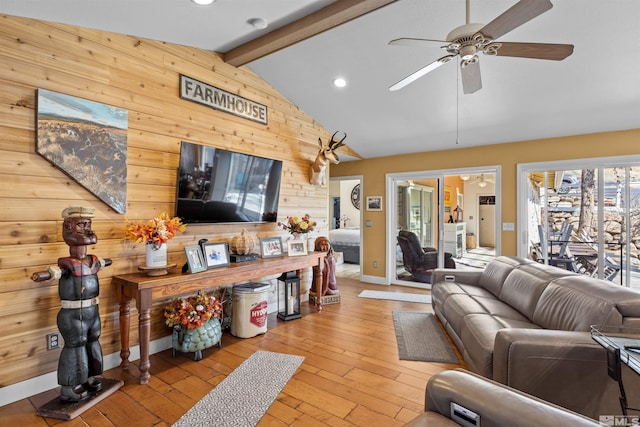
point(487, 226)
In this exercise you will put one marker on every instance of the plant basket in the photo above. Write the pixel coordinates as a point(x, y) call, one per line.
point(196, 340)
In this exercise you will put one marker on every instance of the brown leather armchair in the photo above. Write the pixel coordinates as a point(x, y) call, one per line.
point(419, 261)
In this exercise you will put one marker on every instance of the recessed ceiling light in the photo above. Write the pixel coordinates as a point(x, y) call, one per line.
point(339, 82)
point(203, 2)
point(258, 23)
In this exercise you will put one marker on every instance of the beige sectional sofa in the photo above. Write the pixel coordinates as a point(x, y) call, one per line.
point(491, 405)
point(527, 325)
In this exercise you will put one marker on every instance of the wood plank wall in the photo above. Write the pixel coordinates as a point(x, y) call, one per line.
point(141, 76)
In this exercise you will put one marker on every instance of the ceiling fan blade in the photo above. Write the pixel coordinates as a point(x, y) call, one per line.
point(421, 72)
point(516, 15)
point(555, 52)
point(470, 73)
point(408, 41)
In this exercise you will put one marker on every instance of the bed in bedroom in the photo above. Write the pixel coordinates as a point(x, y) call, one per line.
point(347, 241)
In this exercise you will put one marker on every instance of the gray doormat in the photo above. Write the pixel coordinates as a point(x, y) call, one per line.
point(396, 296)
point(420, 338)
point(246, 394)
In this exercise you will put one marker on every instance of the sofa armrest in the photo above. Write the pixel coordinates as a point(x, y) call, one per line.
point(496, 404)
point(465, 277)
point(567, 368)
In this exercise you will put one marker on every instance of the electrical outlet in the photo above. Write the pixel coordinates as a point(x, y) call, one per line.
point(53, 341)
point(375, 264)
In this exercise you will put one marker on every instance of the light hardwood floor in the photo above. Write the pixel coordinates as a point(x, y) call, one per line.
point(351, 375)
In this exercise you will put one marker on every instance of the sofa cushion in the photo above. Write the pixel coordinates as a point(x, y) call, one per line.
point(456, 307)
point(495, 273)
point(478, 335)
point(523, 287)
point(442, 290)
point(576, 303)
point(500, 309)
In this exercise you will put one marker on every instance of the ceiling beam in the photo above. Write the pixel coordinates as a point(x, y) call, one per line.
point(331, 16)
point(348, 151)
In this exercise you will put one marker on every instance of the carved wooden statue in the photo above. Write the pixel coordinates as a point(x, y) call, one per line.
point(325, 155)
point(328, 270)
point(79, 317)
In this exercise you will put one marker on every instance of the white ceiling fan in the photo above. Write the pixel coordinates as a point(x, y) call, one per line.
point(468, 40)
point(481, 180)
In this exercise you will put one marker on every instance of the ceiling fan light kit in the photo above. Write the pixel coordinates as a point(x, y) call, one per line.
point(466, 41)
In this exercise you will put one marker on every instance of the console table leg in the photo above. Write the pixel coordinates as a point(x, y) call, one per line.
point(317, 281)
point(144, 330)
point(125, 323)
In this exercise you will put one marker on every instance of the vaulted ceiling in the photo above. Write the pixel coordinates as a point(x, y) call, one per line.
point(308, 43)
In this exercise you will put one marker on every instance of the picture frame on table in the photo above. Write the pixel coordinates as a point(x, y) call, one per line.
point(271, 247)
point(297, 247)
point(216, 254)
point(374, 203)
point(195, 260)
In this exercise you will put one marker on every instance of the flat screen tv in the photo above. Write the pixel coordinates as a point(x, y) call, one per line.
point(216, 186)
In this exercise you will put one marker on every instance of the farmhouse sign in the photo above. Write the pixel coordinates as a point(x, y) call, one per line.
point(211, 96)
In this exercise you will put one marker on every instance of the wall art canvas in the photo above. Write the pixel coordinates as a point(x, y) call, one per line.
point(87, 140)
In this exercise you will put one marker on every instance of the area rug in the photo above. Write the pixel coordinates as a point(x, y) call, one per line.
point(420, 338)
point(396, 296)
point(246, 394)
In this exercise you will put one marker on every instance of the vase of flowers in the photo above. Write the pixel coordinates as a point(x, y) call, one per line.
point(155, 233)
point(196, 323)
point(298, 225)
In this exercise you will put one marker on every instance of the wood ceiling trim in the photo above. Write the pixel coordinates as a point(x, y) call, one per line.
point(329, 17)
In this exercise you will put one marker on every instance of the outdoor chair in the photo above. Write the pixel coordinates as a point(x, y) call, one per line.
point(560, 240)
point(590, 266)
point(584, 257)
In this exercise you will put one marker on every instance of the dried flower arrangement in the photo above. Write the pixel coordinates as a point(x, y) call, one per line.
point(156, 231)
point(192, 312)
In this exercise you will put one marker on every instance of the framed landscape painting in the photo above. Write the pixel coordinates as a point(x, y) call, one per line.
point(87, 141)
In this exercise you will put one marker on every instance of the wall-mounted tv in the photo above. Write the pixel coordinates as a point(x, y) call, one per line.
point(216, 186)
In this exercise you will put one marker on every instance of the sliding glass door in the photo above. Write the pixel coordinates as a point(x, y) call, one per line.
point(430, 220)
point(585, 219)
point(415, 229)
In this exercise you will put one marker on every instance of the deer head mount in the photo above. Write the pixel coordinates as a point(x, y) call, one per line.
point(326, 154)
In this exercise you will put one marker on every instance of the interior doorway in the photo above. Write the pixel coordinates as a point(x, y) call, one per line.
point(344, 231)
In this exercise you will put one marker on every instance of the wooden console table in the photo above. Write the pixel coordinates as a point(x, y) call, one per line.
point(146, 289)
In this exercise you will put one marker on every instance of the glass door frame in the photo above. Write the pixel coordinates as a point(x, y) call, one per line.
point(599, 163)
point(392, 180)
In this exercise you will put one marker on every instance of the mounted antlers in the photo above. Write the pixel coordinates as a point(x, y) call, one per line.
point(325, 155)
